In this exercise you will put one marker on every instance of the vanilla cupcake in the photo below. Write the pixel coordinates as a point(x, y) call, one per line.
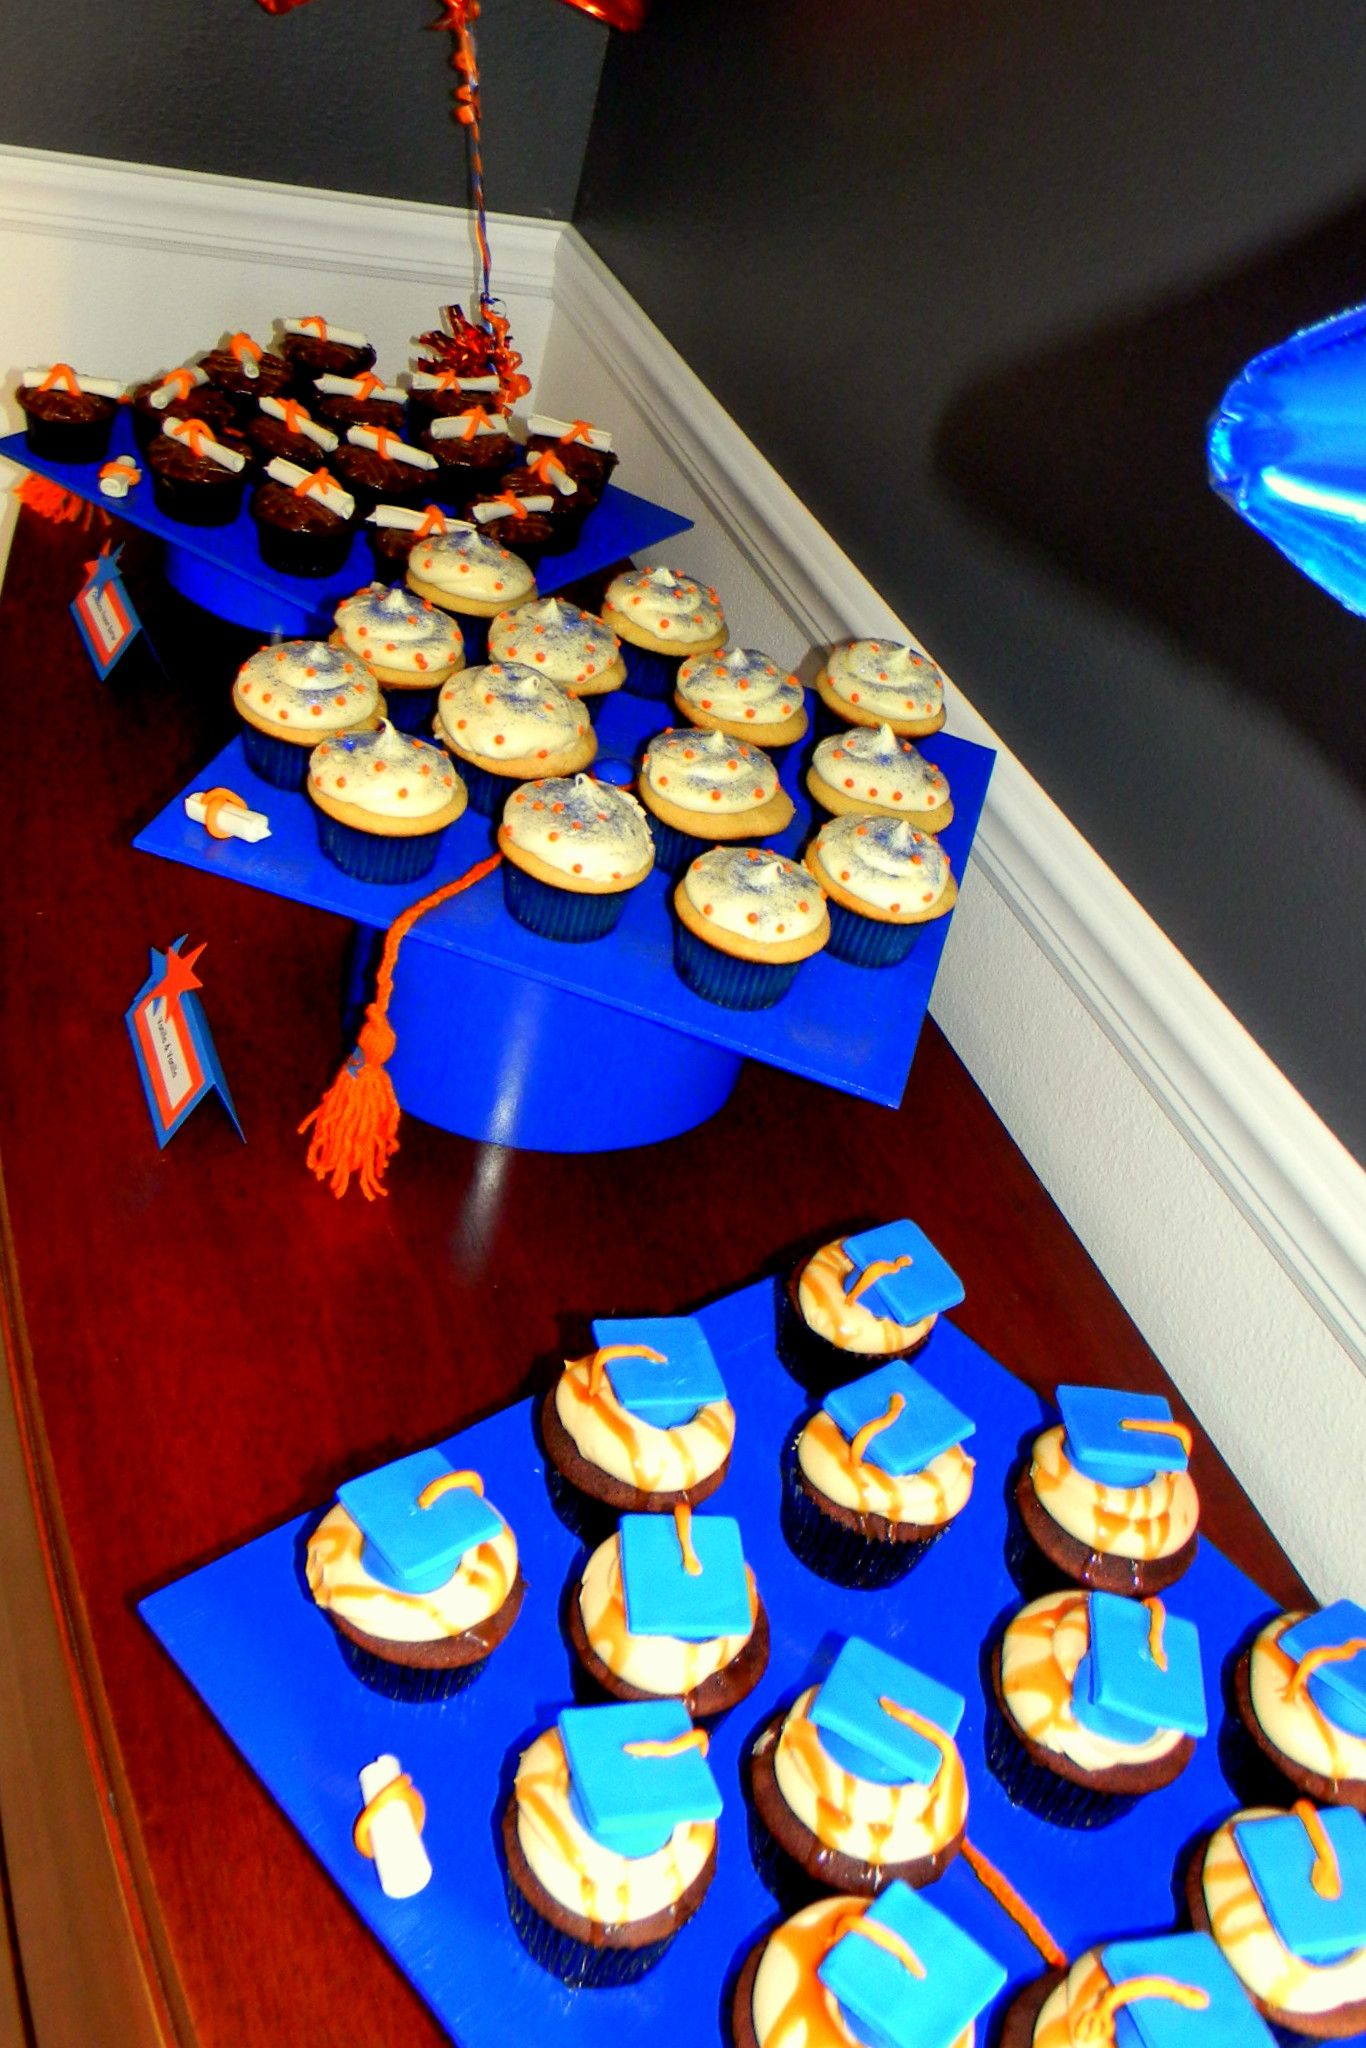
point(383, 800)
point(662, 618)
point(885, 882)
point(573, 850)
point(740, 691)
point(746, 922)
point(505, 724)
point(291, 695)
point(869, 769)
point(881, 682)
point(408, 644)
point(563, 642)
point(473, 577)
point(702, 788)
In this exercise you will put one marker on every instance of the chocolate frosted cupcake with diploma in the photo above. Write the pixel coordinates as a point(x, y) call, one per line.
point(571, 500)
point(377, 466)
point(1300, 1691)
point(859, 1784)
point(393, 531)
point(563, 642)
point(363, 401)
point(643, 1423)
point(521, 523)
point(182, 394)
point(444, 395)
point(585, 450)
point(882, 682)
point(418, 1574)
point(472, 450)
point(610, 1839)
point(869, 769)
point(284, 429)
point(247, 372)
point(668, 1609)
point(314, 348)
point(1168, 1991)
point(68, 416)
point(195, 478)
point(305, 521)
point(874, 1295)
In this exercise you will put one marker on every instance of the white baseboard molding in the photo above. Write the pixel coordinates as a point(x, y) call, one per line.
point(1229, 1219)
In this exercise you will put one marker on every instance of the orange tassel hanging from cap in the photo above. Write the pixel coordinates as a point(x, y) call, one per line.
point(355, 1126)
point(51, 500)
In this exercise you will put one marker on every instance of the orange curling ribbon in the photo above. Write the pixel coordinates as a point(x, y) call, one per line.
point(433, 521)
point(513, 503)
point(879, 1270)
point(216, 802)
point(1157, 1621)
point(885, 1938)
point(447, 1482)
point(692, 1563)
point(677, 1745)
point(578, 430)
point(1176, 1429)
point(182, 382)
point(320, 480)
point(1097, 2023)
point(368, 384)
point(474, 421)
point(548, 466)
point(296, 416)
point(1326, 1877)
point(122, 466)
point(400, 1791)
point(385, 438)
point(1314, 1660)
point(603, 1357)
point(858, 1449)
point(998, 1885)
point(355, 1126)
point(245, 349)
point(63, 374)
point(196, 434)
point(317, 323)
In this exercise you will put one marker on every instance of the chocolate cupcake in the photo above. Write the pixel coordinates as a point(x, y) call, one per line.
point(585, 450)
point(859, 1300)
point(247, 372)
point(285, 430)
point(444, 395)
point(305, 521)
point(183, 394)
point(393, 531)
point(68, 417)
point(563, 642)
point(566, 502)
point(644, 1626)
point(881, 682)
point(522, 525)
point(859, 1784)
point(1098, 1701)
point(1106, 1497)
point(1300, 1692)
point(609, 1839)
point(195, 478)
point(418, 1574)
point(314, 348)
point(1169, 1991)
point(376, 467)
point(364, 401)
point(472, 451)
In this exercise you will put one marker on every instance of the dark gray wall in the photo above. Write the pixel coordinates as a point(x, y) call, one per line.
point(973, 274)
point(351, 95)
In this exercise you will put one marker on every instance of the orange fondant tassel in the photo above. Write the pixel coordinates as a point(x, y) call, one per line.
point(355, 1126)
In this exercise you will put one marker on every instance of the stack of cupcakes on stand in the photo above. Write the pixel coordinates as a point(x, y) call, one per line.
point(409, 646)
point(1299, 1691)
point(506, 725)
point(862, 1299)
point(383, 800)
point(573, 850)
point(661, 618)
point(290, 695)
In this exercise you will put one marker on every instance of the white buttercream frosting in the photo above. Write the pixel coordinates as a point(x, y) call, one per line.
point(868, 763)
point(306, 686)
point(739, 683)
point(581, 827)
point(886, 679)
point(884, 862)
point(1292, 1718)
point(465, 563)
point(850, 1325)
point(758, 896)
point(1140, 1522)
point(559, 640)
point(338, 1580)
point(1040, 1650)
point(928, 1498)
point(668, 605)
point(661, 1665)
point(387, 773)
point(709, 772)
point(391, 628)
point(1240, 1925)
point(635, 1451)
point(504, 712)
point(877, 1824)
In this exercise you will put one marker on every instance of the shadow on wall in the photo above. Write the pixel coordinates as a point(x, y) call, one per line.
point(1093, 455)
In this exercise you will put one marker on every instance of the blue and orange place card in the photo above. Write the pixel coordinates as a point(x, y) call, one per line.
point(175, 1052)
point(104, 611)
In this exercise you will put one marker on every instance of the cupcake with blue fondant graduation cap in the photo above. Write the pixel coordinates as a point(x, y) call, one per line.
point(860, 1783)
point(894, 1972)
point(573, 850)
point(1300, 1690)
point(1168, 1991)
point(1097, 1701)
point(1105, 1496)
point(610, 1839)
point(643, 1422)
point(875, 1476)
point(862, 1299)
point(418, 1574)
point(1284, 1896)
point(667, 1608)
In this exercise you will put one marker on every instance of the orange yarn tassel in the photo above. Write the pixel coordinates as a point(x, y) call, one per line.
point(1021, 1912)
point(355, 1126)
point(53, 501)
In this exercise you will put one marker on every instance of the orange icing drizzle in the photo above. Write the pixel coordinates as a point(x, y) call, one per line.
point(63, 374)
point(1157, 1620)
point(483, 1568)
point(918, 1725)
point(320, 480)
point(1155, 1428)
point(858, 1450)
point(244, 348)
point(1021, 1912)
point(878, 1490)
point(535, 1793)
point(944, 1810)
point(610, 1636)
point(215, 803)
point(823, 1279)
point(1326, 1877)
point(602, 1358)
point(1043, 1673)
point(885, 1938)
point(677, 1745)
point(400, 1791)
point(1313, 1660)
point(1148, 1520)
point(879, 1270)
point(692, 1563)
point(433, 521)
point(1097, 2023)
point(474, 420)
point(446, 1482)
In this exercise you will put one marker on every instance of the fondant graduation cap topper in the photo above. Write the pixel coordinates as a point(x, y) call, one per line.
point(882, 1719)
point(636, 1772)
point(665, 1371)
point(1329, 1649)
point(418, 1517)
point(905, 1975)
point(1119, 1439)
point(897, 1273)
point(1309, 1867)
point(684, 1576)
point(1173, 1991)
point(903, 1421)
point(1141, 1671)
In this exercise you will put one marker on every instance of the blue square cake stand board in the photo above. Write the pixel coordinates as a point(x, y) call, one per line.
point(518, 1040)
point(220, 567)
point(265, 1662)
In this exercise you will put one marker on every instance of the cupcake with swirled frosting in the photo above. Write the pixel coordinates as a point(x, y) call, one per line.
point(746, 921)
point(661, 618)
point(471, 576)
point(883, 682)
point(573, 850)
point(505, 724)
point(885, 882)
point(869, 769)
point(1300, 1691)
point(291, 695)
point(563, 642)
point(410, 646)
point(383, 800)
point(740, 691)
point(705, 787)
point(1175, 1977)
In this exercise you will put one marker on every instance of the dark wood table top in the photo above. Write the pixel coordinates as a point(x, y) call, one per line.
point(212, 1340)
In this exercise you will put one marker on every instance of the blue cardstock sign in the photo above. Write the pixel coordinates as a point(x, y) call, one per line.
point(669, 1391)
point(1280, 1855)
point(664, 1599)
point(1121, 1690)
point(924, 1285)
point(104, 611)
point(883, 2002)
point(1229, 2020)
point(1101, 1446)
point(858, 1732)
point(409, 1546)
point(928, 1423)
point(632, 1803)
point(174, 1047)
point(1337, 1690)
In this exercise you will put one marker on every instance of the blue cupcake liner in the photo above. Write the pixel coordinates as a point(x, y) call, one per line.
point(730, 983)
point(474, 631)
point(832, 1552)
point(868, 941)
point(377, 856)
point(488, 792)
point(650, 675)
point(675, 851)
point(282, 763)
point(575, 1963)
point(411, 710)
point(570, 915)
point(1040, 1791)
point(411, 1684)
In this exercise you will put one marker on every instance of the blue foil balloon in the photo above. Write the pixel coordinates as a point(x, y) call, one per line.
point(1287, 449)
